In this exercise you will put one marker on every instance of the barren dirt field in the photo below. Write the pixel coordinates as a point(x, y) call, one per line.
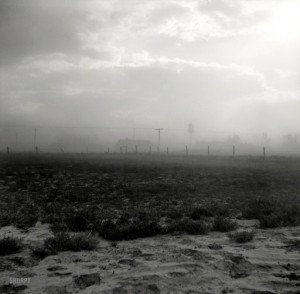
point(149, 224)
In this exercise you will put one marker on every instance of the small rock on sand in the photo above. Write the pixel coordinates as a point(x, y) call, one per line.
point(214, 246)
point(239, 267)
point(84, 281)
point(126, 261)
point(153, 289)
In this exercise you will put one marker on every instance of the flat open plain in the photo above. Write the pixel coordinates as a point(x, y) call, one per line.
point(156, 223)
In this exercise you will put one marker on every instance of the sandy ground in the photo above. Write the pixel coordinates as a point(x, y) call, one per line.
point(164, 264)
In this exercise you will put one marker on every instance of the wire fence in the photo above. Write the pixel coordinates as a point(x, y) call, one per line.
point(138, 140)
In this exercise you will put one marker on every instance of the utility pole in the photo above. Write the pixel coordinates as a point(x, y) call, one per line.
point(159, 130)
point(34, 139)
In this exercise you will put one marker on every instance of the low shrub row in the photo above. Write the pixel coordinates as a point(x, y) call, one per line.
point(273, 213)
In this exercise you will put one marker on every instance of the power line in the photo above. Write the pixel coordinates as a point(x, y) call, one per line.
point(72, 127)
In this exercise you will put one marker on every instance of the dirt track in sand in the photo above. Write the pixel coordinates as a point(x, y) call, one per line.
point(163, 264)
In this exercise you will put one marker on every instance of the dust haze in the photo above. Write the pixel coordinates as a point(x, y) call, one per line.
point(149, 146)
point(81, 76)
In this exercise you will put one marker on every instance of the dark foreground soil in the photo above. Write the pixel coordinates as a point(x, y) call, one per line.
point(179, 203)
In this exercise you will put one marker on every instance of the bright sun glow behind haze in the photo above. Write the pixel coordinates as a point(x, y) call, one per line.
point(284, 24)
point(226, 66)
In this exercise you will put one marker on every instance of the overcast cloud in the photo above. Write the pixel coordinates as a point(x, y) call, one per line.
point(223, 65)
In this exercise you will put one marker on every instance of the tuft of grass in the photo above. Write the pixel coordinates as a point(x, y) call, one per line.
point(186, 225)
point(209, 210)
point(174, 214)
point(26, 216)
point(63, 241)
point(270, 221)
point(241, 236)
point(273, 213)
point(41, 252)
point(282, 216)
point(199, 212)
point(259, 207)
point(76, 222)
point(128, 230)
point(6, 219)
point(224, 224)
point(10, 245)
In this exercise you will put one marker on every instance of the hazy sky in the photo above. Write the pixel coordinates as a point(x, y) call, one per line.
point(223, 65)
